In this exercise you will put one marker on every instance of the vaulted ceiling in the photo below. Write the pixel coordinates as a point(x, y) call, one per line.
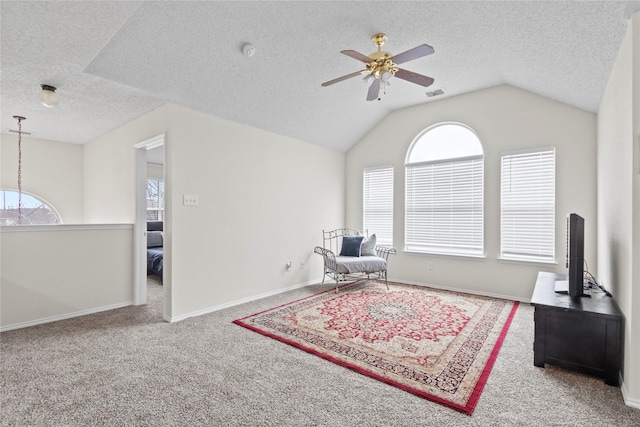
point(115, 61)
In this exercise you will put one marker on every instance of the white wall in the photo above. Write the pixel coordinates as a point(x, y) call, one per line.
point(50, 170)
point(109, 166)
point(56, 272)
point(505, 118)
point(633, 342)
point(619, 198)
point(263, 201)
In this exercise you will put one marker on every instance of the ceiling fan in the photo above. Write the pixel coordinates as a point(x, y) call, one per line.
point(381, 66)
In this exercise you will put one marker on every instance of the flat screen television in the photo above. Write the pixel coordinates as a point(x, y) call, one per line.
point(575, 255)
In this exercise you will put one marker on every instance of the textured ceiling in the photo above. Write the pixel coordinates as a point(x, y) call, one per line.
point(114, 61)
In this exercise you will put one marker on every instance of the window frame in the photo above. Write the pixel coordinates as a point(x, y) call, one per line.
point(49, 206)
point(161, 198)
point(446, 242)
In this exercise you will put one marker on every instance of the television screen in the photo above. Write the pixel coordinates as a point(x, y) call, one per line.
point(575, 255)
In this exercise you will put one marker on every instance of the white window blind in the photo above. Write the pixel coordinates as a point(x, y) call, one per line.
point(378, 204)
point(445, 207)
point(528, 205)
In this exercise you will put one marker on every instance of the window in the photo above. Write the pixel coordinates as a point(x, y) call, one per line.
point(155, 200)
point(35, 211)
point(444, 210)
point(528, 205)
point(378, 204)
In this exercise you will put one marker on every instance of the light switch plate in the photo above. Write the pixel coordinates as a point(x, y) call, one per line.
point(190, 199)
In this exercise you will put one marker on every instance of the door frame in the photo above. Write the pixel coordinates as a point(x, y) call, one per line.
point(140, 218)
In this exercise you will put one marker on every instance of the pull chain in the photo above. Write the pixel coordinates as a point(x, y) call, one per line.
point(20, 119)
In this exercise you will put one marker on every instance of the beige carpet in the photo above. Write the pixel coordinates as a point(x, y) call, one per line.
point(129, 368)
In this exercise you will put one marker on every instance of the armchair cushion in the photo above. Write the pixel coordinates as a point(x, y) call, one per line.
point(362, 264)
point(351, 246)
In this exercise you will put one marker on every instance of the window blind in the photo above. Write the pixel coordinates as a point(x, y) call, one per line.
point(378, 204)
point(528, 206)
point(445, 207)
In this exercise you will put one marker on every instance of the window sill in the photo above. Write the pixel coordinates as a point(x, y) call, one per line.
point(528, 262)
point(446, 254)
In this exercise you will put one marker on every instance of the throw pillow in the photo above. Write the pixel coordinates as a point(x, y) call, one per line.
point(351, 245)
point(368, 247)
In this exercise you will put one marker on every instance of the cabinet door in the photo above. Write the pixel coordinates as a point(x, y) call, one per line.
point(576, 340)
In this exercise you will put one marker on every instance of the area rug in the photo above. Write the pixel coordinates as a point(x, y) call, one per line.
point(436, 344)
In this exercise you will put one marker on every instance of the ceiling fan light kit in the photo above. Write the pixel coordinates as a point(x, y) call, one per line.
point(368, 79)
point(381, 66)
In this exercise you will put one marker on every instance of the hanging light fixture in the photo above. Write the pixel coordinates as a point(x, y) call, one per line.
point(48, 96)
point(19, 119)
point(385, 75)
point(381, 68)
point(368, 79)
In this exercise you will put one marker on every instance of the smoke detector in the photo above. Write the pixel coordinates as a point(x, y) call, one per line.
point(248, 50)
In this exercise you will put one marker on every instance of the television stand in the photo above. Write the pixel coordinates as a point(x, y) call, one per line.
point(579, 334)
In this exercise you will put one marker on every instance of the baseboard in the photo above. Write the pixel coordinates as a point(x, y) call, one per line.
point(237, 302)
point(462, 290)
point(64, 316)
point(634, 403)
point(315, 282)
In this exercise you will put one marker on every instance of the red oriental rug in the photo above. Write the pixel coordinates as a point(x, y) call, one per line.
point(436, 344)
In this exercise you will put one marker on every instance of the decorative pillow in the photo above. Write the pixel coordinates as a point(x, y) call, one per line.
point(368, 247)
point(154, 239)
point(351, 245)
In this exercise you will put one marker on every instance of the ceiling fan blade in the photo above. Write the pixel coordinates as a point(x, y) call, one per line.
point(416, 52)
point(339, 79)
point(357, 55)
point(374, 90)
point(412, 77)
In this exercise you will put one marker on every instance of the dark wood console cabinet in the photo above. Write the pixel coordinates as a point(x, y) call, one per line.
point(581, 334)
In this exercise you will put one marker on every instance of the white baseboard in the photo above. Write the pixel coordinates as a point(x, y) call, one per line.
point(64, 316)
point(220, 307)
point(634, 403)
point(314, 282)
point(462, 290)
point(238, 302)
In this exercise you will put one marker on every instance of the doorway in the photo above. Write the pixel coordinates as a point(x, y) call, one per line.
point(149, 166)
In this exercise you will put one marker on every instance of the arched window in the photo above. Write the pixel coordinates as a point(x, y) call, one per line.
point(444, 210)
point(35, 211)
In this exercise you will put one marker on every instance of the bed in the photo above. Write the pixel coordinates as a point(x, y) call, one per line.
point(154, 248)
point(359, 256)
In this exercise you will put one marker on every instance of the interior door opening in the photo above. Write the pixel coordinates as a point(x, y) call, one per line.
point(149, 206)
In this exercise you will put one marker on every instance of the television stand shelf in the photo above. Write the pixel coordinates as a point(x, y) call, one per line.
point(579, 334)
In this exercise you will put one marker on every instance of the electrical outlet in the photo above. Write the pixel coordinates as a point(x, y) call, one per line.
point(301, 265)
point(429, 265)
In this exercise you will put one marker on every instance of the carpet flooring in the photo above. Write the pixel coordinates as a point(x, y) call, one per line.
point(127, 367)
point(436, 344)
